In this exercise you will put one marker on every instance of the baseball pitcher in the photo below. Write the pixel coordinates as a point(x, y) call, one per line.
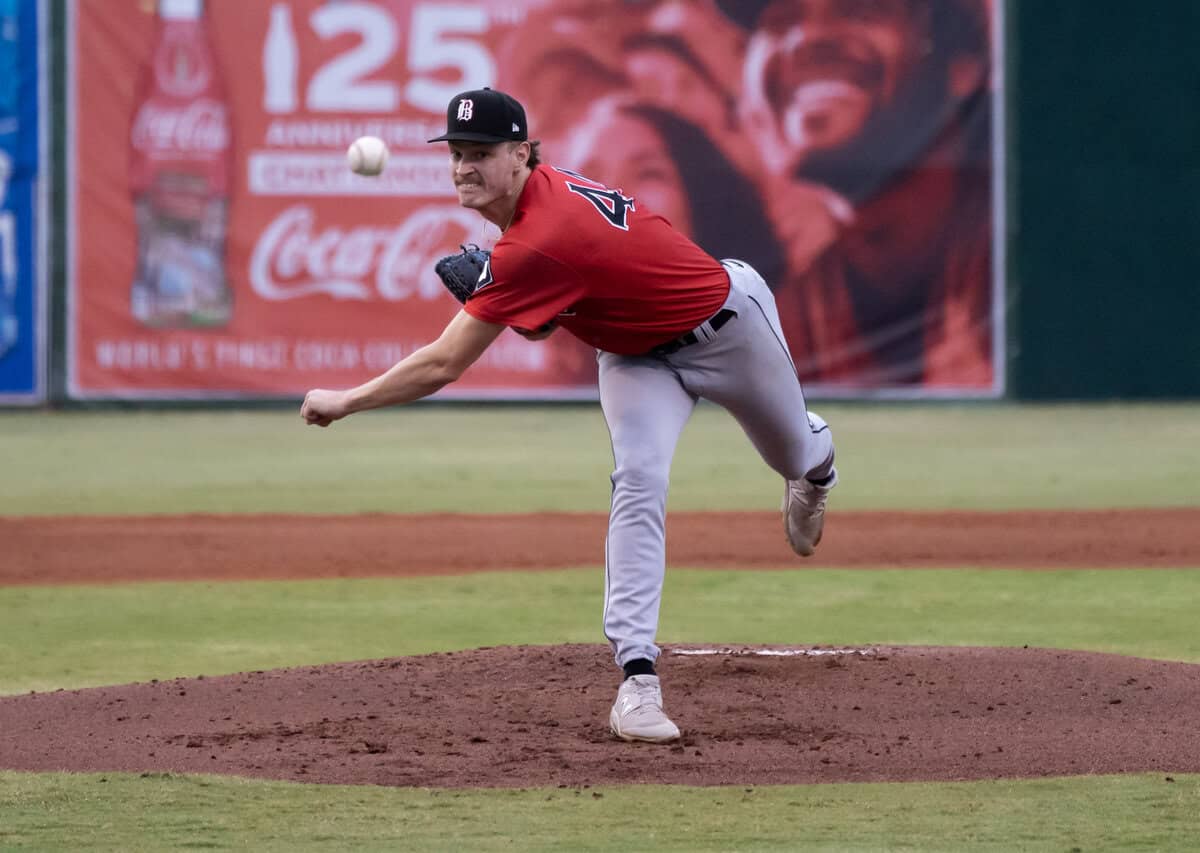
point(672, 325)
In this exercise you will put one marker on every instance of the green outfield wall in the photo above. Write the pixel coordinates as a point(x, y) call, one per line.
point(1103, 177)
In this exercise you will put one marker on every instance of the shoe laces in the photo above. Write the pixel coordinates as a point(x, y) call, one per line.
point(811, 496)
point(645, 694)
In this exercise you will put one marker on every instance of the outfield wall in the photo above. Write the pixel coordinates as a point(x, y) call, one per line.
point(1070, 275)
point(1104, 260)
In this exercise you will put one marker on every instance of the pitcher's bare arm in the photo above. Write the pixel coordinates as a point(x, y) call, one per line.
point(425, 372)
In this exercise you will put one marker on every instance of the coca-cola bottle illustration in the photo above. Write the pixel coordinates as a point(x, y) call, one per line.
point(280, 60)
point(179, 175)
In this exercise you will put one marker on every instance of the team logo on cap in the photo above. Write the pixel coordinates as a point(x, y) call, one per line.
point(466, 109)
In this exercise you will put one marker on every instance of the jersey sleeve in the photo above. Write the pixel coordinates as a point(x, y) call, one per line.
point(528, 289)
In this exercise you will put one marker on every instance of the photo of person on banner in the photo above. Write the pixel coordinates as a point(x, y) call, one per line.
point(872, 121)
point(865, 128)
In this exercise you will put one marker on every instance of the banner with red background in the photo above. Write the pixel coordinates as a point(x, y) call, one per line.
point(220, 247)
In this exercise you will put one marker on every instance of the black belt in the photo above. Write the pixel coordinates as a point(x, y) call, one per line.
point(715, 322)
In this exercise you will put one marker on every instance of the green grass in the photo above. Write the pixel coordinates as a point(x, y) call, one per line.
point(537, 458)
point(166, 812)
point(53, 637)
point(472, 459)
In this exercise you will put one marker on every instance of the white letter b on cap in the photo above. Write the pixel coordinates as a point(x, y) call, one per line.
point(466, 108)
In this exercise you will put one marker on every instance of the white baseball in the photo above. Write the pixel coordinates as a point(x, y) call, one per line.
point(367, 155)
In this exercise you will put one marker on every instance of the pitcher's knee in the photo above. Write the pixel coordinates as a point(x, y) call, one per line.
point(642, 479)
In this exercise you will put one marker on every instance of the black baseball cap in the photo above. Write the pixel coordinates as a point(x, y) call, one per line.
point(484, 115)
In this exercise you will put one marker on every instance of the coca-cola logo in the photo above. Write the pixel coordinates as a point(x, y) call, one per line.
point(200, 126)
point(295, 258)
point(181, 61)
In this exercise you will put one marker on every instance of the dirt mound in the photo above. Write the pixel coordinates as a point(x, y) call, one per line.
point(98, 549)
point(537, 716)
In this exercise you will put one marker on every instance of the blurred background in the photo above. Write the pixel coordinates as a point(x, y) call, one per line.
point(952, 199)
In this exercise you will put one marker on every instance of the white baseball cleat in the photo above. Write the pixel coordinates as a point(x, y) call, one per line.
point(638, 712)
point(804, 505)
point(804, 513)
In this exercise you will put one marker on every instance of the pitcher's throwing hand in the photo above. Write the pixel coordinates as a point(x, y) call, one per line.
point(323, 407)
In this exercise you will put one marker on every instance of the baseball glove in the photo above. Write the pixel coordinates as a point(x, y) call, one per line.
point(465, 272)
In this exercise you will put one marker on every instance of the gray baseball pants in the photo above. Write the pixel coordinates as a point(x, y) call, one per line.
point(744, 367)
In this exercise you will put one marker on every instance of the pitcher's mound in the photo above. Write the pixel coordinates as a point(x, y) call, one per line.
point(536, 716)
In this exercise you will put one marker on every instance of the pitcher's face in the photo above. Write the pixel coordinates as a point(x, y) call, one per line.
point(484, 173)
point(825, 67)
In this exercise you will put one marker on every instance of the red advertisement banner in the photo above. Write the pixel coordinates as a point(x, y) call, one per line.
point(221, 246)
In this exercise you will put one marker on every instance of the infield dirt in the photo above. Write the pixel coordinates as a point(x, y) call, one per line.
point(97, 549)
point(537, 715)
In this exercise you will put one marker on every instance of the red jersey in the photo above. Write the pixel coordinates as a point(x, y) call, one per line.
point(579, 253)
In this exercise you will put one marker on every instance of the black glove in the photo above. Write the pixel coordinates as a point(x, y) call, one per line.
point(465, 272)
